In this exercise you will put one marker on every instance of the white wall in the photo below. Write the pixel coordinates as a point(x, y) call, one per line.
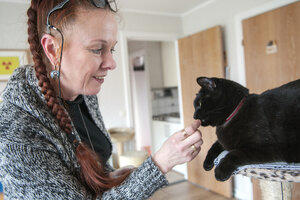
point(13, 34)
point(138, 22)
point(13, 23)
point(169, 65)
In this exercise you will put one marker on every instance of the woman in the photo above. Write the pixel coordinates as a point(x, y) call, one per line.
point(53, 141)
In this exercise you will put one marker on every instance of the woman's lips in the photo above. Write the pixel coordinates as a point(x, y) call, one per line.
point(99, 79)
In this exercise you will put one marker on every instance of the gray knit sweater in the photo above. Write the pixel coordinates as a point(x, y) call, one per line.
point(37, 161)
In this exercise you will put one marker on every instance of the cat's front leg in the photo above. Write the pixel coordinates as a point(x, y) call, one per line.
point(213, 152)
point(239, 157)
point(229, 164)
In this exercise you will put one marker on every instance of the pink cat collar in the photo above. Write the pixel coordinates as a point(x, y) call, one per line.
point(235, 110)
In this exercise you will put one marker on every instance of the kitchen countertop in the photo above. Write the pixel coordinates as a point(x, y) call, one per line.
point(171, 117)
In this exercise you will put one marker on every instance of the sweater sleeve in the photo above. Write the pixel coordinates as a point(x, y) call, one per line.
point(140, 184)
point(33, 173)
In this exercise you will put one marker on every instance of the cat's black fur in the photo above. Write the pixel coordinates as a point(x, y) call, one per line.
point(265, 129)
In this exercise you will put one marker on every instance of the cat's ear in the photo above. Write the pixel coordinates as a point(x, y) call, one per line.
point(206, 83)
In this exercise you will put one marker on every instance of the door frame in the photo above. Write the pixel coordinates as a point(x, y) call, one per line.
point(124, 37)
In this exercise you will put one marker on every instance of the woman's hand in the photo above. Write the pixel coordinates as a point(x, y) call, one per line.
point(181, 147)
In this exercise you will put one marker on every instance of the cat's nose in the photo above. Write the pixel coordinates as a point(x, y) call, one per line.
point(195, 115)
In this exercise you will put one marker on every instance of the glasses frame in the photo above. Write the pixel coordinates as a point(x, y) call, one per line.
point(96, 3)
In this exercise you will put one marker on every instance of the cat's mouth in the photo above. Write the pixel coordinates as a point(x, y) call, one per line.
point(204, 122)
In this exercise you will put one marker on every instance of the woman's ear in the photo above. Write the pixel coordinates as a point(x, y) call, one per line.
point(50, 46)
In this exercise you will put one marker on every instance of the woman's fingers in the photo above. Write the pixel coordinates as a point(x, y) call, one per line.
point(197, 146)
point(189, 130)
point(195, 124)
point(181, 147)
point(192, 139)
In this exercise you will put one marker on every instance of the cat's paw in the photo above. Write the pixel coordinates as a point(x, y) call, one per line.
point(221, 176)
point(208, 165)
point(224, 170)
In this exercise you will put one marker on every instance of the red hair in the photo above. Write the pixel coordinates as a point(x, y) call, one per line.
point(92, 171)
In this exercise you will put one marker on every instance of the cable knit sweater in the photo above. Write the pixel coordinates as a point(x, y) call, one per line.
point(37, 161)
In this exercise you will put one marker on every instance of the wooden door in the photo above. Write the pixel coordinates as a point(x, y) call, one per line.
point(201, 54)
point(265, 71)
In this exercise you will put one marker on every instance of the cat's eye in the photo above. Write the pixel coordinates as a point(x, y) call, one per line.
point(199, 104)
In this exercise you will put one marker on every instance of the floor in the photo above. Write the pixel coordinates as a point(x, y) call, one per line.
point(185, 191)
point(181, 189)
point(174, 177)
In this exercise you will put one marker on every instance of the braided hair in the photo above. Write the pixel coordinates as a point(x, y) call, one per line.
point(92, 171)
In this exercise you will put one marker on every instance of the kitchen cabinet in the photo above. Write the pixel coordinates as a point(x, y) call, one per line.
point(161, 130)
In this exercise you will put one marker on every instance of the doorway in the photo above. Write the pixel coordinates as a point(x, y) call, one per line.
point(144, 60)
point(153, 81)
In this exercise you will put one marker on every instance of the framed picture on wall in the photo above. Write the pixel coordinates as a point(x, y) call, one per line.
point(10, 60)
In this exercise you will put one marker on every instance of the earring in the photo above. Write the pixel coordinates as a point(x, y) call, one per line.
point(54, 74)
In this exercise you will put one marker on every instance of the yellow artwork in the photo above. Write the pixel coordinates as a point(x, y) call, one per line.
point(10, 60)
point(8, 64)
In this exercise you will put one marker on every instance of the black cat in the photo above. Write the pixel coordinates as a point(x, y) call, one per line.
point(253, 128)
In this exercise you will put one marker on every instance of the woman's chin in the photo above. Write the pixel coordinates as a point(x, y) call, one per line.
point(92, 91)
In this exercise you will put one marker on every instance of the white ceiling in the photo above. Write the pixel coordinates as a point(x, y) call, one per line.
point(164, 7)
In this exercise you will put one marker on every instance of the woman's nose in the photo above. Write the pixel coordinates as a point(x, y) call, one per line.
point(108, 62)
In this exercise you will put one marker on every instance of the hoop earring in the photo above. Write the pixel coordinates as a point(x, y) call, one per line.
point(54, 74)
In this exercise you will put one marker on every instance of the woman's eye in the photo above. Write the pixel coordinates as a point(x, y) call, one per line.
point(112, 50)
point(96, 51)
